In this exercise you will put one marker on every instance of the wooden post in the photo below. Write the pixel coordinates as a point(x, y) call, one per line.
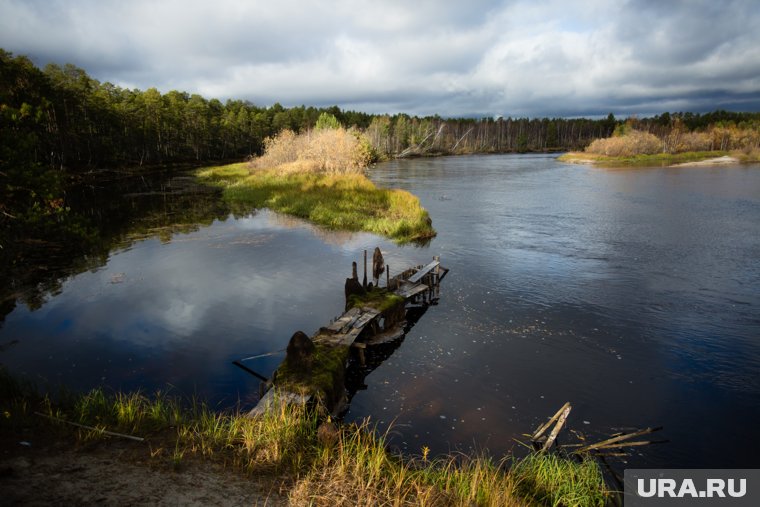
point(364, 282)
point(388, 277)
point(437, 276)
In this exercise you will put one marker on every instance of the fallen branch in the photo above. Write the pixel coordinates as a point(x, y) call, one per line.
point(91, 428)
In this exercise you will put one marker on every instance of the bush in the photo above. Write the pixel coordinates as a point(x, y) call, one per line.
point(631, 144)
point(329, 150)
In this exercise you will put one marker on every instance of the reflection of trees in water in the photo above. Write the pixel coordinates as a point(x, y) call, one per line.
point(375, 355)
point(38, 255)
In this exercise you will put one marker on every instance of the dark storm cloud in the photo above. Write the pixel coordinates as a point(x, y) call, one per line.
point(517, 58)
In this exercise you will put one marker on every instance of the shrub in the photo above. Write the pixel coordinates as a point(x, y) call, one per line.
point(328, 150)
point(633, 143)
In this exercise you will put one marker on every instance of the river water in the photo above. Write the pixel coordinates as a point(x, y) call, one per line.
point(632, 293)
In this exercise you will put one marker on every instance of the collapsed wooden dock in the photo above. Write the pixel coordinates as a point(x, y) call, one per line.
point(314, 367)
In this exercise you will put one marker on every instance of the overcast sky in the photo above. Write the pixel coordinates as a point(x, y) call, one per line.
point(464, 58)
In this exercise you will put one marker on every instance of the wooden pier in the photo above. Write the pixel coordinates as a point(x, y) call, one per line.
point(314, 368)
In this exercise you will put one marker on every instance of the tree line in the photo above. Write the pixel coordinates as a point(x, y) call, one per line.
point(60, 117)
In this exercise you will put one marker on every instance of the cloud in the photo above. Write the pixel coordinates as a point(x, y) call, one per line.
point(516, 58)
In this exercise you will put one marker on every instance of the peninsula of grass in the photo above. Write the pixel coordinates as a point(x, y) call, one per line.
point(320, 176)
point(285, 450)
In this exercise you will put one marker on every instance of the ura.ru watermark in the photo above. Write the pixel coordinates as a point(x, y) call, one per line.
point(671, 487)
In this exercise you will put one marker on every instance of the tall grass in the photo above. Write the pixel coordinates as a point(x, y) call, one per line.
point(283, 445)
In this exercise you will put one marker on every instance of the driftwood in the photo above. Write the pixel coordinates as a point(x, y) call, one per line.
point(612, 443)
point(91, 428)
point(542, 429)
point(560, 422)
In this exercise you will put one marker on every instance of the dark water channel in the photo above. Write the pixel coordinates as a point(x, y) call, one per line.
point(633, 294)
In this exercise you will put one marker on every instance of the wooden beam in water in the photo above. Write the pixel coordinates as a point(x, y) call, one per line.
point(409, 290)
point(621, 438)
point(415, 278)
point(555, 432)
point(542, 429)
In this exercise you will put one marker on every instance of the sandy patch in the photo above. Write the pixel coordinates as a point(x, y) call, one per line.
point(724, 160)
point(114, 473)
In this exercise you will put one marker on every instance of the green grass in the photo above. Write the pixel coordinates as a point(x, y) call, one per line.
point(282, 447)
point(378, 298)
point(548, 479)
point(335, 201)
point(656, 160)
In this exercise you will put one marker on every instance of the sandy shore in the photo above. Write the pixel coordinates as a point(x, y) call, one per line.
point(118, 473)
point(725, 160)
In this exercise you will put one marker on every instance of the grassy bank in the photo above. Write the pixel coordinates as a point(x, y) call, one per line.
point(335, 201)
point(311, 460)
point(654, 160)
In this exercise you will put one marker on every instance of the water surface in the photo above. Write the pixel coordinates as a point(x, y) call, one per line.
point(633, 294)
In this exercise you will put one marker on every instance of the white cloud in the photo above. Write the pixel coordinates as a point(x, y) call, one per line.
point(451, 58)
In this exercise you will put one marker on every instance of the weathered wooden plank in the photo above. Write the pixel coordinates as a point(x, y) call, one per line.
point(408, 290)
point(274, 397)
point(424, 271)
point(344, 320)
point(349, 337)
point(366, 317)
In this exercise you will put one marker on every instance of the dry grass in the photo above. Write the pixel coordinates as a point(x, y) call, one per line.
point(332, 151)
point(633, 143)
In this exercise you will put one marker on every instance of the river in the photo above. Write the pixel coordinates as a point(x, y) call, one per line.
point(632, 293)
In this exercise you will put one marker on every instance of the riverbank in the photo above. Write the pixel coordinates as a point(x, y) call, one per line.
point(335, 201)
point(686, 159)
point(173, 451)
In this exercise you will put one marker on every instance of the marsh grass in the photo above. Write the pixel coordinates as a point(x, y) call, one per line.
point(378, 298)
point(335, 201)
point(282, 447)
